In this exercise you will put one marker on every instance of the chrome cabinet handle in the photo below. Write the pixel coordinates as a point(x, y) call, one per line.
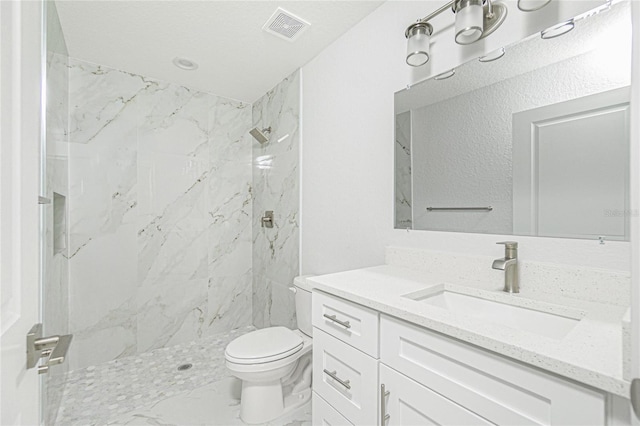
point(333, 318)
point(383, 405)
point(332, 374)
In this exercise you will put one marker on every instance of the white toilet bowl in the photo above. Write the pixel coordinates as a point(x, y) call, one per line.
point(274, 364)
point(266, 361)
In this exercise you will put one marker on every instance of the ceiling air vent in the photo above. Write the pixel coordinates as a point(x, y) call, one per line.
point(285, 25)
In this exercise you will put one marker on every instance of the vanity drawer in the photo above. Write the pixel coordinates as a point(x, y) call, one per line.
point(496, 388)
point(347, 321)
point(346, 378)
point(323, 414)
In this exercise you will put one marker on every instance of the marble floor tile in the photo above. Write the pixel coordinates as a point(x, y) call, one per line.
point(215, 404)
point(149, 384)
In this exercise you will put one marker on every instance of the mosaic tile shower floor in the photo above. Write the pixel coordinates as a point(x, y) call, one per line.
point(148, 389)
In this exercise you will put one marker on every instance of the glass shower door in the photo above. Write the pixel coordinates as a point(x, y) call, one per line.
point(54, 255)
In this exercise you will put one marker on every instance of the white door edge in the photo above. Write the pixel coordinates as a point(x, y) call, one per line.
point(635, 195)
point(20, 133)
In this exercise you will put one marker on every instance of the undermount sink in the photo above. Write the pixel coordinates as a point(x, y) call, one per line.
point(521, 318)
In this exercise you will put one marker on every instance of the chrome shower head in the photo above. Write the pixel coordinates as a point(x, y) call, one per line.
point(261, 136)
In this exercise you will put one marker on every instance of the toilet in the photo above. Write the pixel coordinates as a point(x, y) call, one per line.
point(274, 364)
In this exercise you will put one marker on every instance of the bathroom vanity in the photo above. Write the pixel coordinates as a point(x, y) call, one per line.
point(395, 346)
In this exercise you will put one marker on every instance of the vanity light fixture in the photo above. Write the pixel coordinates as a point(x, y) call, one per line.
point(418, 37)
point(532, 5)
point(492, 56)
point(184, 64)
point(469, 26)
point(557, 30)
point(474, 20)
point(445, 75)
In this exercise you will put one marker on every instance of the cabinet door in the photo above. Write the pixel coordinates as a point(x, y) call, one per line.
point(323, 414)
point(407, 402)
point(346, 378)
point(493, 386)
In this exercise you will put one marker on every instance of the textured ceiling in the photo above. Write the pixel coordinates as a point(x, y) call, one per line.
point(236, 58)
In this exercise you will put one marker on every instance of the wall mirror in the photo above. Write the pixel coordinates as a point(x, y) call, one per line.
point(533, 143)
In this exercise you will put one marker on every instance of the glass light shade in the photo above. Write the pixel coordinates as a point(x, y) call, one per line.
point(469, 18)
point(418, 39)
point(557, 30)
point(492, 56)
point(532, 5)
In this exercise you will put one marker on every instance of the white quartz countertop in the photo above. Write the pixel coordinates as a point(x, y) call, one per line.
point(591, 353)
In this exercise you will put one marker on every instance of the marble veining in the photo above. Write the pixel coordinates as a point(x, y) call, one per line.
point(402, 149)
point(276, 187)
point(160, 213)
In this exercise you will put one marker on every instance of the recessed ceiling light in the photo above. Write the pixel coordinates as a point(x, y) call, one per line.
point(184, 64)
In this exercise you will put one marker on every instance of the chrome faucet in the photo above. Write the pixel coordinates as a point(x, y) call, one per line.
point(509, 264)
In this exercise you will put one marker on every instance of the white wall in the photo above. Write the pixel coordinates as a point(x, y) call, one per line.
point(347, 143)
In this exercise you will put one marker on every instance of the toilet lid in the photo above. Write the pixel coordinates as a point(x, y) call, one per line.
point(265, 345)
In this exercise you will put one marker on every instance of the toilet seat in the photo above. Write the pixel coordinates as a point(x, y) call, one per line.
point(264, 346)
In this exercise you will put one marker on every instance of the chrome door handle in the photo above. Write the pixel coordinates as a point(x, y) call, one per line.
point(383, 405)
point(333, 375)
point(54, 348)
point(333, 318)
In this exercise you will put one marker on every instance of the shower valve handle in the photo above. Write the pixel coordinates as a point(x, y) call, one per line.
point(266, 221)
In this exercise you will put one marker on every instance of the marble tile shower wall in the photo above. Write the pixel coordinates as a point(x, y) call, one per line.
point(276, 187)
point(403, 184)
point(160, 214)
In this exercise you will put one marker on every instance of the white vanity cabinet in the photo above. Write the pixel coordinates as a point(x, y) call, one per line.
point(407, 402)
point(373, 369)
point(345, 364)
point(324, 414)
point(347, 321)
point(490, 387)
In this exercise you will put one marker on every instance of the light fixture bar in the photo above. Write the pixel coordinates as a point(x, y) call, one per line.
point(490, 13)
point(474, 20)
point(438, 11)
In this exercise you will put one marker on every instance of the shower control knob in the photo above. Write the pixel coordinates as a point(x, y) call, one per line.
point(267, 220)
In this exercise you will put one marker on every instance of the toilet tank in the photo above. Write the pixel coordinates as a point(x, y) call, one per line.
point(303, 304)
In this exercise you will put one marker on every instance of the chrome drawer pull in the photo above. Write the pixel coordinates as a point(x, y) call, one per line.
point(333, 318)
point(383, 405)
point(332, 374)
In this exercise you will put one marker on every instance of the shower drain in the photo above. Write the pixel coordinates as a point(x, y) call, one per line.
point(185, 367)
